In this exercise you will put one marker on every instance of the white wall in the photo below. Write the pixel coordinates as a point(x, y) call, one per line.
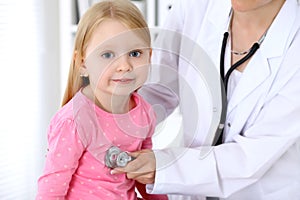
point(29, 57)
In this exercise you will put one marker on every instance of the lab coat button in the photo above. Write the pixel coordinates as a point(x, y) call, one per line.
point(228, 124)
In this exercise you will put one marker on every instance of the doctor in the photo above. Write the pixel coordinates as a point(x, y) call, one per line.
point(259, 158)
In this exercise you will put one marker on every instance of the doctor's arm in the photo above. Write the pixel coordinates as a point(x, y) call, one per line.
point(162, 89)
point(225, 169)
point(228, 168)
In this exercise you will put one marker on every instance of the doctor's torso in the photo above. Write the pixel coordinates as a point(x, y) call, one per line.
point(263, 104)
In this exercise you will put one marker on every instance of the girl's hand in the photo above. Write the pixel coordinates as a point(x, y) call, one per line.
point(141, 169)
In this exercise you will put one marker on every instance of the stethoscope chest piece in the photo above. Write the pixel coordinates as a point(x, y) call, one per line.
point(115, 157)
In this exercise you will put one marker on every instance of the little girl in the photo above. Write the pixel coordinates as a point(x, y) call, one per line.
point(101, 108)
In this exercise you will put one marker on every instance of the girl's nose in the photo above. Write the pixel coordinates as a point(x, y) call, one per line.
point(124, 64)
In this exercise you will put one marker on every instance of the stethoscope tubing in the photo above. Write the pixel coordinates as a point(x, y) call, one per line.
point(225, 78)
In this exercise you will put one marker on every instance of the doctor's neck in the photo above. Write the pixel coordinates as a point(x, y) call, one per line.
point(256, 17)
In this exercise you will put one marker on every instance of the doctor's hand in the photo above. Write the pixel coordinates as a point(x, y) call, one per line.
point(141, 169)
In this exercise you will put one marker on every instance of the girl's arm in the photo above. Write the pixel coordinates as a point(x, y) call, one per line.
point(65, 150)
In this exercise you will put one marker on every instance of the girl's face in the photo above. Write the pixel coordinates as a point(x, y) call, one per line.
point(247, 5)
point(117, 59)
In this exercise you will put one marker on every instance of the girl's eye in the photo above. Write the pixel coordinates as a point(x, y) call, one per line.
point(135, 53)
point(107, 55)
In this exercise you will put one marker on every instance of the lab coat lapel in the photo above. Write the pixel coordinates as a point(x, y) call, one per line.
point(258, 68)
point(210, 37)
point(255, 74)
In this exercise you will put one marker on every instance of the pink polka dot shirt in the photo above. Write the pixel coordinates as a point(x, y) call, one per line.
point(78, 137)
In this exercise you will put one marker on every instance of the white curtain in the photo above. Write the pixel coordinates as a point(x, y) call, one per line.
point(30, 91)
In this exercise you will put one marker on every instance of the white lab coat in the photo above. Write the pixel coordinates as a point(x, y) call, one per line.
point(261, 156)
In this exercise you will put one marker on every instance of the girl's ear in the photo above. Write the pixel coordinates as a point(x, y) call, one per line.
point(83, 71)
point(82, 68)
point(150, 55)
point(75, 56)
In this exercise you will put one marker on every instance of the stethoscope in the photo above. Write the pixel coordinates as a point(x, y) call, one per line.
point(225, 78)
point(247, 56)
point(251, 52)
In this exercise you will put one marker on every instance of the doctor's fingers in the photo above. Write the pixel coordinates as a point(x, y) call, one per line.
point(145, 162)
point(146, 178)
point(137, 153)
point(142, 163)
point(142, 168)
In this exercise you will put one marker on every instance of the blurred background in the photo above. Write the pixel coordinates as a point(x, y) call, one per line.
point(36, 40)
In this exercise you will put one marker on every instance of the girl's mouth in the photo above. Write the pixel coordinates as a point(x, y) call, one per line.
point(123, 80)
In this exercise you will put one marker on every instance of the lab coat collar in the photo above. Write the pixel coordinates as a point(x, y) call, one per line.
point(285, 18)
point(270, 51)
point(220, 15)
point(273, 46)
point(276, 44)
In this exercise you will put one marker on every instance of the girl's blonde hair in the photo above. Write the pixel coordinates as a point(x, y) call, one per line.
point(122, 10)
